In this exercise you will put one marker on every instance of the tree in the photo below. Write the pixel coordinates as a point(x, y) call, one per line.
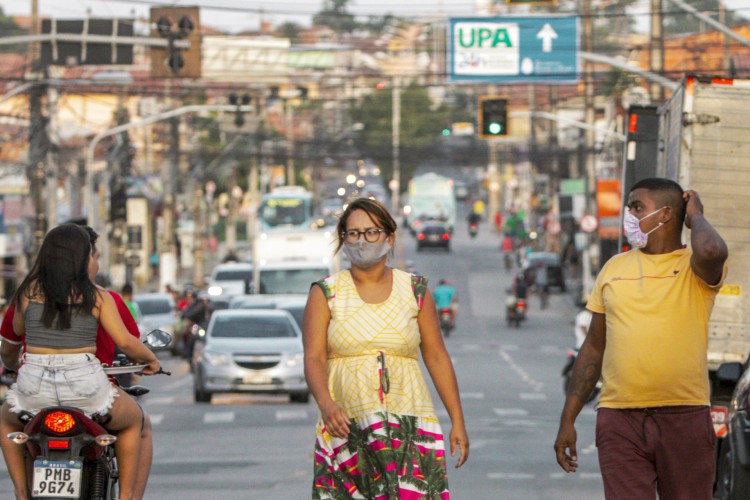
point(679, 21)
point(8, 27)
point(420, 127)
point(335, 16)
point(291, 31)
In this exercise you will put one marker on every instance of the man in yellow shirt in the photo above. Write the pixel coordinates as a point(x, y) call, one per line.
point(648, 340)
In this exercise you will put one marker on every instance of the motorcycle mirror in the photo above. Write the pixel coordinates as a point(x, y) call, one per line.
point(158, 338)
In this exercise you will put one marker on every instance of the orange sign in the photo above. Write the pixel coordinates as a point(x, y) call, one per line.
point(609, 206)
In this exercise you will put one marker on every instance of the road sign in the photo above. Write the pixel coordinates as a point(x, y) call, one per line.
point(514, 49)
point(588, 223)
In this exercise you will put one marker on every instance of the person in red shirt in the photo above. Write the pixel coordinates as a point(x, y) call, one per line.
point(105, 352)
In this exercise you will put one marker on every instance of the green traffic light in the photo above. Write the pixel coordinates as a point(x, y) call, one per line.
point(446, 131)
point(495, 128)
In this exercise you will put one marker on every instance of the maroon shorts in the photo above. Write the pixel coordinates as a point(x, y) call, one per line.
point(669, 450)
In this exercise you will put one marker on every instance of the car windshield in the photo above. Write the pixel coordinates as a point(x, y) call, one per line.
point(290, 280)
point(256, 327)
point(153, 306)
point(296, 311)
point(233, 275)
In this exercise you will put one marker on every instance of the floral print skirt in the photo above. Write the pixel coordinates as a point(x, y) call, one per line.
point(385, 457)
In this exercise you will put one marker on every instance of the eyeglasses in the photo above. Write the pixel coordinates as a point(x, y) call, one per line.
point(371, 235)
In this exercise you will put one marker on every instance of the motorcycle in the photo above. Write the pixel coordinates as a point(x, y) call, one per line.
point(473, 229)
point(70, 455)
point(515, 311)
point(446, 321)
point(567, 371)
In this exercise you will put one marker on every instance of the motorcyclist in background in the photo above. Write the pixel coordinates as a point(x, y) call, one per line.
point(446, 297)
point(197, 313)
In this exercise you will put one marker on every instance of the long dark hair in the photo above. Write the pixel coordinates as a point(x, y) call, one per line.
point(60, 275)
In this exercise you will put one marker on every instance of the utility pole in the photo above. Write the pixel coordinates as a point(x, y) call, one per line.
point(38, 139)
point(657, 49)
point(289, 119)
point(589, 143)
point(396, 146)
point(168, 256)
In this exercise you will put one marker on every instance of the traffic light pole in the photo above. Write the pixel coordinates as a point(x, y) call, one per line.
point(94, 203)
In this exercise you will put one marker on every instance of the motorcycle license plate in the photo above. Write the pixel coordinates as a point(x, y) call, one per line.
point(719, 419)
point(57, 479)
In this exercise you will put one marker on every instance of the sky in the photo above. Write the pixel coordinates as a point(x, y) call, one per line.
point(237, 15)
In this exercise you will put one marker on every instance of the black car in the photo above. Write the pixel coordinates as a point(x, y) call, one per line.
point(433, 234)
point(733, 468)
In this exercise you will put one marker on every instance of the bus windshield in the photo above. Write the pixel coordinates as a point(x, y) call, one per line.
point(286, 210)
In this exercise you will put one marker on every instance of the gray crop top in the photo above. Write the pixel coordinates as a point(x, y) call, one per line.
point(82, 332)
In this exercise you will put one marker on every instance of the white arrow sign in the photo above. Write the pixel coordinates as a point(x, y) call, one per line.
point(547, 34)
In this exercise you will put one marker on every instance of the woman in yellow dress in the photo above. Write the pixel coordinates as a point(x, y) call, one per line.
point(377, 435)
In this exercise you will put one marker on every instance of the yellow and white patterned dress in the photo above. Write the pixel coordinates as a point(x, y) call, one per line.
point(395, 450)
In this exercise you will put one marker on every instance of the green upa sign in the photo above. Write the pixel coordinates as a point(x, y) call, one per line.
point(514, 49)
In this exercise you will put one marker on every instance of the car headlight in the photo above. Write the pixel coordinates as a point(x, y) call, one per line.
point(295, 359)
point(215, 290)
point(215, 358)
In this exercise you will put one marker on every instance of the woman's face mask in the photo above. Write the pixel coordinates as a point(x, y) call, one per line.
point(364, 254)
point(631, 225)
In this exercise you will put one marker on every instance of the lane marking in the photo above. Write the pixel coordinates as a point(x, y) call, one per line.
point(470, 347)
point(472, 395)
point(504, 412)
point(581, 475)
point(533, 396)
point(218, 417)
point(510, 475)
point(520, 423)
point(156, 419)
point(552, 349)
point(160, 400)
point(291, 415)
point(536, 385)
point(177, 384)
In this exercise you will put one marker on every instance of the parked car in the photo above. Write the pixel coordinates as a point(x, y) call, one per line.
point(432, 233)
point(156, 310)
point(552, 262)
point(231, 278)
point(733, 467)
point(250, 351)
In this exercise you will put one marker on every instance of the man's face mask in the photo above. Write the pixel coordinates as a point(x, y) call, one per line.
point(632, 227)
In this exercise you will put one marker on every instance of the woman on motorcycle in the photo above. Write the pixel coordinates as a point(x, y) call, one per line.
point(59, 309)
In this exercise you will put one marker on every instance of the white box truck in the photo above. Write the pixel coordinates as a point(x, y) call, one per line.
point(705, 145)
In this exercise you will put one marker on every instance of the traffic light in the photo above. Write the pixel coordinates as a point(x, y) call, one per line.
point(176, 23)
point(239, 101)
point(493, 117)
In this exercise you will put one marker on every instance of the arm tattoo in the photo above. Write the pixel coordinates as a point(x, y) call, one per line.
point(584, 379)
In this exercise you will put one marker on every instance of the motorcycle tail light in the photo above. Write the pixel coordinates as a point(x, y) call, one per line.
point(521, 304)
point(59, 422)
point(58, 444)
point(446, 236)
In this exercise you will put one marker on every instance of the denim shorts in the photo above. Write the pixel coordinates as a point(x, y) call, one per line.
point(75, 380)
